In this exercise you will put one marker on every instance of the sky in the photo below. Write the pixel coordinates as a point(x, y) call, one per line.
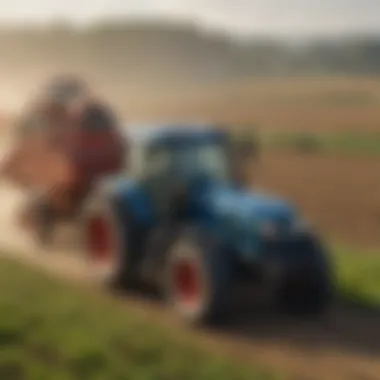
point(279, 17)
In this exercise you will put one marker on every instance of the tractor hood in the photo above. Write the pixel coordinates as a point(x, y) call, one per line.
point(245, 220)
point(267, 208)
point(251, 210)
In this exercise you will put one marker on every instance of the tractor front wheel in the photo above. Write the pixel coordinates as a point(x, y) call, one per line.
point(310, 290)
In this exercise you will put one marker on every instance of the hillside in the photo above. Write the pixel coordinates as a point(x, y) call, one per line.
point(138, 58)
point(67, 334)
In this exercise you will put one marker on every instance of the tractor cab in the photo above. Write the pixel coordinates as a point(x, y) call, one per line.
point(172, 160)
point(182, 153)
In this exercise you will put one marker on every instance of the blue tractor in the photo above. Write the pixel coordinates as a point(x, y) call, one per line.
point(180, 221)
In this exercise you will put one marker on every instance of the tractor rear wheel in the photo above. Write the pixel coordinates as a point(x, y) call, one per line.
point(198, 279)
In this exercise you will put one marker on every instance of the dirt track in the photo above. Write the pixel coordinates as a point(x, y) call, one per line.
point(344, 345)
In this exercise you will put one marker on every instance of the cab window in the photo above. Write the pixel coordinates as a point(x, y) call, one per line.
point(158, 161)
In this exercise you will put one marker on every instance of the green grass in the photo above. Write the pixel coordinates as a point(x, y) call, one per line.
point(53, 331)
point(358, 277)
point(50, 330)
point(335, 143)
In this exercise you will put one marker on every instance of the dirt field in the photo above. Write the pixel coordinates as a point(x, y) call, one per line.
point(341, 195)
point(280, 104)
point(315, 105)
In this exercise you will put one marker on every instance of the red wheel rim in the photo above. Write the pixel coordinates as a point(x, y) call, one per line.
point(187, 283)
point(100, 240)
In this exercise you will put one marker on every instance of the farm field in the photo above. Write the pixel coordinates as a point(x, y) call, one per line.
point(340, 194)
point(317, 105)
point(49, 325)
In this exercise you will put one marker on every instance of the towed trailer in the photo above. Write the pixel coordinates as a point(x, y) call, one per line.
point(57, 166)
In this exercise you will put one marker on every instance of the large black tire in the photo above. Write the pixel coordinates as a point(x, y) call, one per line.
point(310, 289)
point(198, 279)
point(104, 240)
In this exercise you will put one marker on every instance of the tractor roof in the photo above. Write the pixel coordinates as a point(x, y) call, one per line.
point(172, 133)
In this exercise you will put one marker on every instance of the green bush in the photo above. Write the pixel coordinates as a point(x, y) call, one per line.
point(335, 143)
point(304, 143)
point(307, 143)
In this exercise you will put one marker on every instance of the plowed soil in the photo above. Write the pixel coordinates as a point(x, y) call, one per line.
point(339, 194)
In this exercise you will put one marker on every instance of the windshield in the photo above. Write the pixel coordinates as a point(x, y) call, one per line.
point(208, 160)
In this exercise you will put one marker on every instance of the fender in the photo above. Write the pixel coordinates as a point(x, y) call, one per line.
point(130, 200)
point(237, 217)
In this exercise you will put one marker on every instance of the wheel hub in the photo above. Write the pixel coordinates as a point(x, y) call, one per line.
point(187, 283)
